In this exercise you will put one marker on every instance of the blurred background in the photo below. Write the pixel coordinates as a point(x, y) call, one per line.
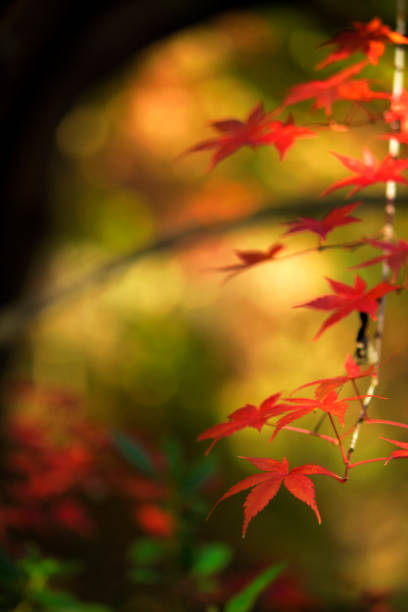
point(105, 391)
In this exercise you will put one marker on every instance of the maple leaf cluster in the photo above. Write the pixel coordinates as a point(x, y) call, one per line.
point(261, 128)
point(340, 86)
point(326, 400)
point(369, 38)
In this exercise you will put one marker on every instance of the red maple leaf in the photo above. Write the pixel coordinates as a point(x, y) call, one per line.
point(283, 135)
point(402, 137)
point(369, 38)
point(346, 299)
point(396, 255)
point(234, 134)
point(398, 111)
point(337, 87)
point(252, 258)
point(397, 454)
point(335, 218)
point(267, 484)
point(325, 400)
point(247, 416)
point(353, 372)
point(258, 129)
point(369, 171)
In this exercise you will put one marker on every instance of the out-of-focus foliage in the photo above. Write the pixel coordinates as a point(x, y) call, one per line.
point(26, 586)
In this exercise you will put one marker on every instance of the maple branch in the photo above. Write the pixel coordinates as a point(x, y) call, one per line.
point(388, 230)
point(391, 186)
point(353, 465)
point(347, 432)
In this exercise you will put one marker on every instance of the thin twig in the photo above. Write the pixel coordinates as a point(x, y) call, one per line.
point(345, 460)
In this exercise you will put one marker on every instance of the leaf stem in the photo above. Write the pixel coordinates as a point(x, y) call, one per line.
point(323, 247)
point(353, 465)
point(312, 433)
point(385, 422)
point(340, 443)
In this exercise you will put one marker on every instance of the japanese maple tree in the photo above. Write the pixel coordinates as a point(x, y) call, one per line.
point(271, 129)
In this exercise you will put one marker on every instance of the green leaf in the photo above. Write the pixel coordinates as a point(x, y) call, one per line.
point(10, 574)
point(146, 551)
point(61, 601)
point(173, 452)
point(199, 473)
point(144, 575)
point(210, 559)
point(42, 567)
point(56, 600)
point(134, 453)
point(244, 601)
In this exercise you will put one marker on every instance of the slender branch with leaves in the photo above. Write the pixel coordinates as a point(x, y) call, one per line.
point(262, 128)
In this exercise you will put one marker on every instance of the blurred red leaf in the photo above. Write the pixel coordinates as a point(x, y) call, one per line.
point(396, 255)
point(258, 129)
point(234, 134)
point(252, 258)
point(369, 171)
point(337, 87)
point(70, 514)
point(335, 218)
point(283, 135)
point(155, 520)
point(398, 111)
point(369, 38)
